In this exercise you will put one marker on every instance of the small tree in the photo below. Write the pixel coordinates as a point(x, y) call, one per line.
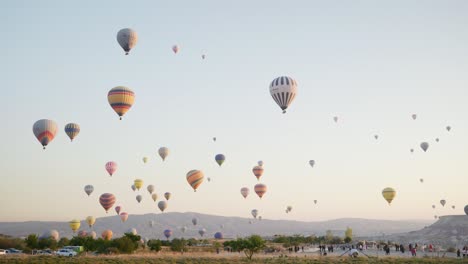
point(155, 245)
point(32, 241)
point(328, 236)
point(178, 245)
point(63, 242)
point(348, 235)
point(251, 245)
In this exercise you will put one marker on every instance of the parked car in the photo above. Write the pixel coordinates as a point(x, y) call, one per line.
point(3, 251)
point(66, 253)
point(14, 251)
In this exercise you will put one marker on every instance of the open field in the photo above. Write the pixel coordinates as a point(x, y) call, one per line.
point(202, 259)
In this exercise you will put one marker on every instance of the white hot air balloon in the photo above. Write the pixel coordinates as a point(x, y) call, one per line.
point(127, 39)
point(283, 90)
point(163, 152)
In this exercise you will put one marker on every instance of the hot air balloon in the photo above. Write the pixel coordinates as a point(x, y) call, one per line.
point(260, 189)
point(167, 195)
point(167, 233)
point(162, 205)
point(421, 180)
point(433, 206)
point(448, 128)
point(118, 208)
point(194, 221)
point(289, 208)
point(107, 200)
point(107, 234)
point(139, 198)
point(72, 130)
point(123, 217)
point(138, 183)
point(411, 150)
point(257, 171)
point(209, 179)
point(388, 194)
point(315, 201)
point(443, 202)
point(437, 139)
point(132, 231)
point(163, 152)
point(88, 189)
point(145, 159)
point(133, 187)
point(127, 39)
point(466, 209)
point(154, 196)
point(74, 225)
point(121, 99)
point(202, 231)
point(82, 233)
point(254, 213)
point(45, 131)
point(376, 137)
point(203, 56)
point(90, 220)
point(244, 191)
point(92, 234)
point(283, 90)
point(453, 206)
point(150, 188)
point(54, 234)
point(414, 116)
point(424, 146)
point(218, 235)
point(335, 118)
point(151, 223)
point(220, 158)
point(195, 178)
point(260, 163)
point(183, 229)
point(111, 167)
point(214, 139)
point(312, 163)
point(175, 49)
point(260, 218)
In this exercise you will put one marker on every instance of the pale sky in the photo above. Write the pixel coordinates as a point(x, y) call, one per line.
point(372, 63)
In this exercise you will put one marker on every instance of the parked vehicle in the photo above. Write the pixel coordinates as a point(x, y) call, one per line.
point(14, 251)
point(66, 253)
point(3, 251)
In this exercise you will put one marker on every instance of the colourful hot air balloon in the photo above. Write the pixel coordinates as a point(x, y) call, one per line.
point(111, 167)
point(139, 198)
point(123, 217)
point(254, 213)
point(260, 189)
point(45, 131)
point(220, 158)
point(195, 178)
point(257, 171)
point(414, 116)
point(138, 183)
point(167, 233)
point(107, 200)
point(312, 163)
point(107, 234)
point(88, 189)
point(127, 39)
point(244, 192)
point(218, 235)
point(121, 99)
point(175, 49)
point(388, 194)
point(194, 221)
point(163, 152)
point(145, 159)
point(118, 208)
point(150, 188)
point(74, 225)
point(283, 90)
point(424, 146)
point(202, 231)
point(72, 130)
point(443, 202)
point(167, 195)
point(260, 163)
point(133, 187)
point(162, 205)
point(154, 196)
point(90, 220)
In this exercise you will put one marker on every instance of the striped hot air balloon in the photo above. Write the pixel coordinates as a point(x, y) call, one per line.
point(123, 216)
point(45, 131)
point(121, 99)
point(107, 234)
point(72, 130)
point(283, 90)
point(260, 189)
point(107, 200)
point(257, 171)
point(138, 183)
point(111, 167)
point(195, 178)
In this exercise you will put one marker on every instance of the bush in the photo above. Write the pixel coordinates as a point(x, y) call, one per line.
point(155, 245)
point(178, 245)
point(451, 250)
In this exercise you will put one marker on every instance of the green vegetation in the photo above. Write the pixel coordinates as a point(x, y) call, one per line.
point(249, 245)
point(296, 240)
point(348, 235)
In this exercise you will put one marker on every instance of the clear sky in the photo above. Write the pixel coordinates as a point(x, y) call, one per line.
point(372, 63)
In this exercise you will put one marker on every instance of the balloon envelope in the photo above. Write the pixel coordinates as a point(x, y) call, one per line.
point(117, 209)
point(88, 189)
point(443, 202)
point(127, 39)
point(107, 234)
point(283, 90)
point(167, 195)
point(194, 221)
point(72, 130)
point(389, 194)
point(167, 233)
point(258, 171)
point(107, 200)
point(90, 220)
point(218, 235)
point(123, 217)
point(139, 198)
point(150, 188)
point(162, 205)
point(220, 158)
point(260, 189)
point(312, 163)
point(175, 49)
point(145, 159)
point(466, 209)
point(260, 163)
point(163, 153)
point(121, 99)
point(244, 192)
point(202, 231)
point(414, 116)
point(111, 167)
point(254, 213)
point(154, 196)
point(138, 183)
point(195, 178)
point(45, 131)
point(424, 146)
point(74, 225)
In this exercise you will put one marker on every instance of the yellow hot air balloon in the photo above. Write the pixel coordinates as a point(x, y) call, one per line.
point(195, 178)
point(90, 220)
point(138, 183)
point(388, 194)
point(121, 99)
point(145, 159)
point(74, 225)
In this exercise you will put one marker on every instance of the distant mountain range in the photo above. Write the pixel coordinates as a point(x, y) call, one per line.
point(229, 226)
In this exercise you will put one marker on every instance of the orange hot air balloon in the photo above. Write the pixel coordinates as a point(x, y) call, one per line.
point(121, 99)
point(260, 189)
point(257, 171)
point(195, 178)
point(107, 234)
